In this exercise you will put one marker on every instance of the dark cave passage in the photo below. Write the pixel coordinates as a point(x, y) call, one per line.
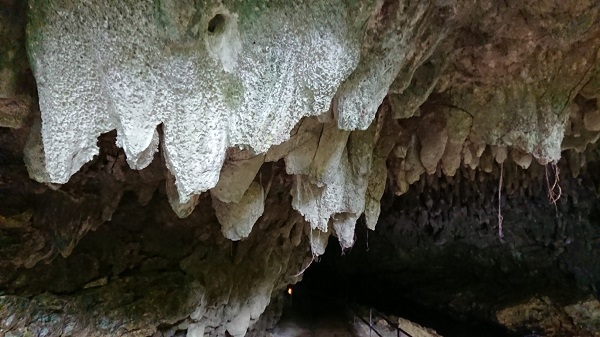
point(324, 288)
point(313, 313)
point(435, 257)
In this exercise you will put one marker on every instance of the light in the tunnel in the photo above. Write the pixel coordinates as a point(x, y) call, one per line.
point(290, 291)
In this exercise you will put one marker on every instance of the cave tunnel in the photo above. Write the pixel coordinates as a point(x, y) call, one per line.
point(436, 256)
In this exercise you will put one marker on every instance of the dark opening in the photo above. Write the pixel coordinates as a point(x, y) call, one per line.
point(216, 24)
point(435, 257)
point(331, 286)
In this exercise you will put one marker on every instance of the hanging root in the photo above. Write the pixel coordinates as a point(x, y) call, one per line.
point(554, 191)
point(500, 218)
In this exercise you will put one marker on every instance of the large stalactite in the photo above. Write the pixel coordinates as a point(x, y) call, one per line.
point(192, 158)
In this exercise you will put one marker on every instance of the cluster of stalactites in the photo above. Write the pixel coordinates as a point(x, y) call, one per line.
point(218, 77)
point(300, 82)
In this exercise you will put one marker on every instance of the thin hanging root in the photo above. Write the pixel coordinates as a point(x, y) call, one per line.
point(554, 191)
point(500, 218)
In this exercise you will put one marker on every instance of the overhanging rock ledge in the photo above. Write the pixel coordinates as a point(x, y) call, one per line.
point(273, 124)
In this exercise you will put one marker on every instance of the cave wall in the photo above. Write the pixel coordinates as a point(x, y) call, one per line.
point(437, 248)
point(265, 127)
point(67, 270)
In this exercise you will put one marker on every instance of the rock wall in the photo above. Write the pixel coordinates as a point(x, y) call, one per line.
point(105, 256)
point(271, 117)
point(437, 248)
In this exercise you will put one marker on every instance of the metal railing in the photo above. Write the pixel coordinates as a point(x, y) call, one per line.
point(369, 323)
point(373, 314)
point(399, 331)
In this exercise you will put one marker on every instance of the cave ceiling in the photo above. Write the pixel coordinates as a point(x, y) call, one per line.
point(215, 146)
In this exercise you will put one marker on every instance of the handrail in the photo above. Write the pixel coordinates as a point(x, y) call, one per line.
point(370, 323)
point(396, 325)
point(372, 328)
point(344, 303)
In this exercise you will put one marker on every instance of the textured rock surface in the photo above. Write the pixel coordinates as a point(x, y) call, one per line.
point(145, 272)
point(237, 218)
point(215, 76)
point(278, 124)
point(211, 76)
point(15, 102)
point(544, 316)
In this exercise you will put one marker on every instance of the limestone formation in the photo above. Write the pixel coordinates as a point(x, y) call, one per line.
point(214, 76)
point(237, 218)
point(195, 68)
point(267, 126)
point(552, 317)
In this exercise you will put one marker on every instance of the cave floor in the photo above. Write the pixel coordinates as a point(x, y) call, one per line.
point(313, 317)
point(327, 327)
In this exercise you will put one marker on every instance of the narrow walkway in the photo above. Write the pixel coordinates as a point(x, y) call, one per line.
point(314, 316)
point(325, 327)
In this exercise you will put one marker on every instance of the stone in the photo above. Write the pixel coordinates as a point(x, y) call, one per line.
point(236, 177)
point(433, 137)
point(406, 98)
point(521, 159)
point(539, 314)
point(385, 130)
point(318, 240)
point(458, 126)
point(336, 182)
point(239, 324)
point(452, 158)
point(207, 93)
point(401, 183)
point(343, 225)
point(13, 62)
point(238, 218)
point(585, 314)
point(375, 190)
point(592, 88)
point(33, 153)
point(267, 127)
point(500, 154)
point(195, 330)
point(412, 163)
point(300, 149)
point(415, 329)
point(15, 112)
point(390, 50)
point(486, 162)
point(182, 208)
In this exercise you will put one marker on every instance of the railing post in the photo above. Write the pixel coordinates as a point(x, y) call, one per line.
point(370, 321)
